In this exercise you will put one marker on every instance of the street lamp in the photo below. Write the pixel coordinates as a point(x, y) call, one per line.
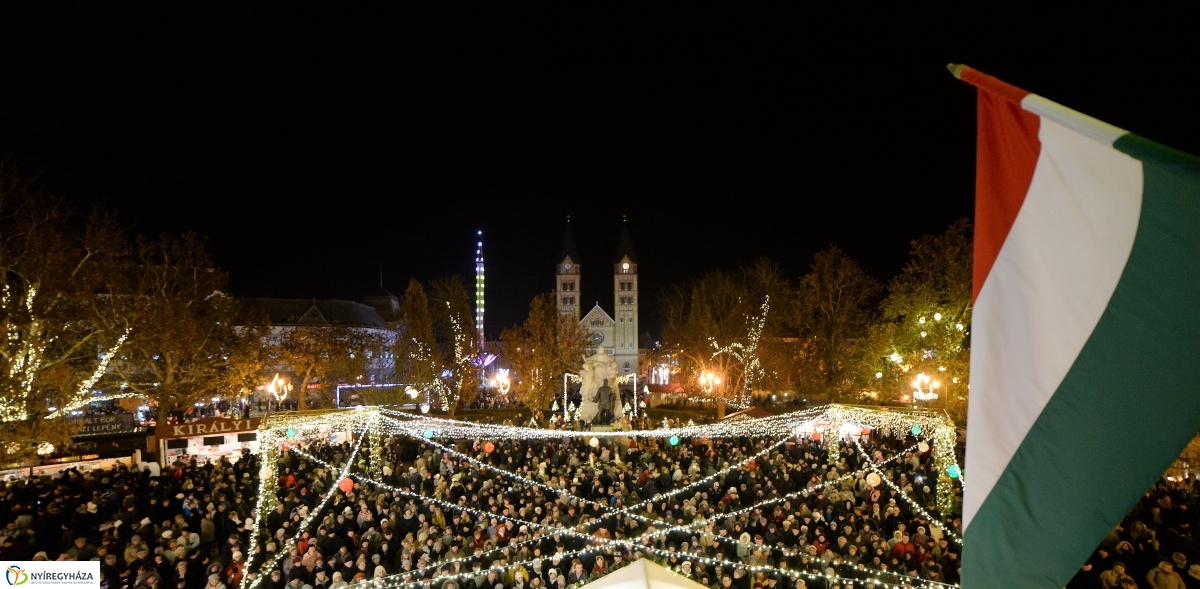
point(501, 381)
point(279, 388)
point(925, 388)
point(707, 381)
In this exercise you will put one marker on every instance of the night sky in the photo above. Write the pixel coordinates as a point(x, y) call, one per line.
point(312, 147)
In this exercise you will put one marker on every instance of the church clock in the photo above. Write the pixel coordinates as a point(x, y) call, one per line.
point(597, 338)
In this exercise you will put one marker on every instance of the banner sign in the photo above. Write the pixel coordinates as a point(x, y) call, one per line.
point(107, 425)
point(52, 574)
point(206, 427)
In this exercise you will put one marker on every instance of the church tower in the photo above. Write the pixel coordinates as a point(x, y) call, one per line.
point(625, 299)
point(566, 289)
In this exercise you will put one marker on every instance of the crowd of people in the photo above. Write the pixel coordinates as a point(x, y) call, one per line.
point(733, 513)
point(1154, 546)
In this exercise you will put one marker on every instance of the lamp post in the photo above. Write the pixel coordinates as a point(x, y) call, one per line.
point(501, 381)
point(708, 381)
point(924, 388)
point(279, 388)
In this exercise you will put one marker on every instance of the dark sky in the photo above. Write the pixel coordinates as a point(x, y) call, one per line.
point(313, 146)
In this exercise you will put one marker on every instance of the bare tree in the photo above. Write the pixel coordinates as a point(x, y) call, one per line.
point(834, 309)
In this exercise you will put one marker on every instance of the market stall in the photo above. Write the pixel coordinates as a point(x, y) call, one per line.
point(207, 439)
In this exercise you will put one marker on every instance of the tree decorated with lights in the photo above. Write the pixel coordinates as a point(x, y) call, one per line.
point(729, 324)
point(454, 330)
point(417, 363)
point(921, 351)
point(56, 271)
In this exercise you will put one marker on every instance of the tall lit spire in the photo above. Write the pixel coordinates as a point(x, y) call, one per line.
point(479, 288)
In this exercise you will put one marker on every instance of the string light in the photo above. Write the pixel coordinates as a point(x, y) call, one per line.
point(632, 544)
point(268, 566)
point(747, 353)
point(376, 421)
point(911, 502)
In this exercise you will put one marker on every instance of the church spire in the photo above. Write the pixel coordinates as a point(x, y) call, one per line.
point(567, 276)
point(625, 246)
point(568, 245)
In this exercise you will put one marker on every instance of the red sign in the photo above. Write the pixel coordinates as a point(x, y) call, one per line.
point(206, 427)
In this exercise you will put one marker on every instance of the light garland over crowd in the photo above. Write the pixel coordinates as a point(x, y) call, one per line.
point(395, 581)
point(281, 431)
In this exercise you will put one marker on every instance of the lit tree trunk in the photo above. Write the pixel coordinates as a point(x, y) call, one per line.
point(302, 394)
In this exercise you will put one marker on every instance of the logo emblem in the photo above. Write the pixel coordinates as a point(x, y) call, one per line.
point(16, 576)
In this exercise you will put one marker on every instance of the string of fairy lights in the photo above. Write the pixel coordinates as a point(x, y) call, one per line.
point(83, 393)
point(626, 510)
point(430, 427)
point(907, 499)
point(747, 353)
point(633, 544)
point(372, 422)
point(269, 565)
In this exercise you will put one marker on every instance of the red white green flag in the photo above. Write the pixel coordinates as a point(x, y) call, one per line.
point(1085, 341)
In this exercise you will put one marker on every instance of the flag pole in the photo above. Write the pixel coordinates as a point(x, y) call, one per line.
point(956, 69)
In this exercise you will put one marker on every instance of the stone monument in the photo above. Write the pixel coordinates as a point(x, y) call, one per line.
point(599, 372)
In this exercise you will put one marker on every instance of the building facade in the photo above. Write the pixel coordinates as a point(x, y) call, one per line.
point(618, 332)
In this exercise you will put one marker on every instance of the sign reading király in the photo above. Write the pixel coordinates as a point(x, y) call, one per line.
point(206, 427)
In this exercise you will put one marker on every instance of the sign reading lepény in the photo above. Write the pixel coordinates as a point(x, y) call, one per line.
point(99, 425)
point(206, 427)
point(50, 574)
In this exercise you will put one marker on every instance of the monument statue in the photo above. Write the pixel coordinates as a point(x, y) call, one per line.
point(604, 397)
point(598, 371)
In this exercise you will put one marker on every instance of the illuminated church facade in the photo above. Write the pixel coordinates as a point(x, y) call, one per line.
point(617, 333)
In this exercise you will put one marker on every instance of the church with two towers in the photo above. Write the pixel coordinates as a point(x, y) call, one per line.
point(618, 335)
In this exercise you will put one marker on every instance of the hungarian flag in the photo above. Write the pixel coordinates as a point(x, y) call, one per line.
point(1085, 343)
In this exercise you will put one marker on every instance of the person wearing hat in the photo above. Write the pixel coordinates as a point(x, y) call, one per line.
point(1192, 578)
point(685, 569)
point(236, 569)
point(82, 550)
point(1164, 577)
point(1112, 578)
point(321, 579)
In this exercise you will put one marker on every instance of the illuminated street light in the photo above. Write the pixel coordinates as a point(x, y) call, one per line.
point(279, 387)
point(925, 388)
point(707, 381)
point(501, 381)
